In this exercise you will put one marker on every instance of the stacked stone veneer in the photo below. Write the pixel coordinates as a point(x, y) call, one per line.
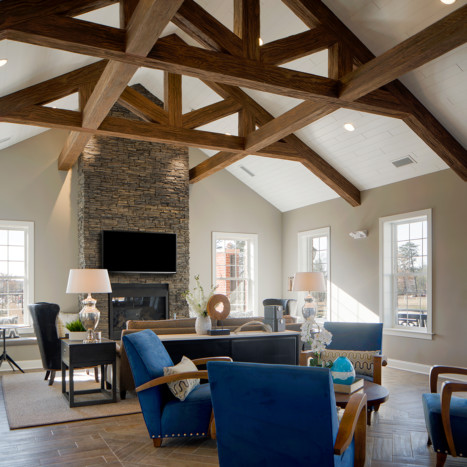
point(135, 186)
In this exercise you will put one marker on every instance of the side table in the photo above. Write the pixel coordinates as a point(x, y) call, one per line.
point(75, 354)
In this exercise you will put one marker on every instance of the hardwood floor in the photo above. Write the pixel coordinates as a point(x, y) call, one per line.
point(397, 437)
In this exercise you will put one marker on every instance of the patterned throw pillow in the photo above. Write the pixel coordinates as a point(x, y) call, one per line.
point(362, 360)
point(10, 320)
point(182, 388)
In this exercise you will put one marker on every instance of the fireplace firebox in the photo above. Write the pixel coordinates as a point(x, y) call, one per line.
point(137, 302)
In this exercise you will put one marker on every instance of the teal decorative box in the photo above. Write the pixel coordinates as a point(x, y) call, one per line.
point(342, 371)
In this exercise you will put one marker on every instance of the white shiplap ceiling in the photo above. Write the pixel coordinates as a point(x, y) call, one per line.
point(364, 156)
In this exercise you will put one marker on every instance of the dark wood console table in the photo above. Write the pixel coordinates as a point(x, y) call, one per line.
point(249, 346)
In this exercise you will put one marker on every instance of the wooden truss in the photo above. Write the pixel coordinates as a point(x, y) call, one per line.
point(356, 79)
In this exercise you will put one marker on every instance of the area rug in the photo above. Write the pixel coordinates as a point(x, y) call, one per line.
point(30, 401)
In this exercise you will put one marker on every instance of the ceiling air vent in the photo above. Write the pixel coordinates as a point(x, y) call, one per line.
point(404, 161)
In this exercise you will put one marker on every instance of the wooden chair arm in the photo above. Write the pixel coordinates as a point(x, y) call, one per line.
point(447, 389)
point(353, 424)
point(440, 369)
point(203, 361)
point(378, 362)
point(304, 356)
point(202, 374)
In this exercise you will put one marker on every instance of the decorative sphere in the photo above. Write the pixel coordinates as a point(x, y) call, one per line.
point(342, 371)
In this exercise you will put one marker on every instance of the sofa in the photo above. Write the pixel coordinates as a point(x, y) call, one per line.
point(178, 326)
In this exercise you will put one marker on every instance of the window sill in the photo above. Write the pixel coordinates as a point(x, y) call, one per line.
point(407, 333)
point(12, 341)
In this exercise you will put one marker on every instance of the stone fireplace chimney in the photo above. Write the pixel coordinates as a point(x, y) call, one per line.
point(134, 186)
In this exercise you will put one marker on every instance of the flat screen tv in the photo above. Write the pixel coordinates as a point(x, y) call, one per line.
point(139, 252)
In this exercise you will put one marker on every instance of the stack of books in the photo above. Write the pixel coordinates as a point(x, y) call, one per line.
point(349, 388)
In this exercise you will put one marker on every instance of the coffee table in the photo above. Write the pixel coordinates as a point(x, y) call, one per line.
point(375, 393)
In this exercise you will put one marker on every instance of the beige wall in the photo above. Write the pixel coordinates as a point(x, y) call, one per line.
point(33, 189)
point(355, 263)
point(221, 203)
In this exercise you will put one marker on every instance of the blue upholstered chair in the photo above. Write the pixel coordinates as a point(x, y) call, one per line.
point(364, 337)
point(446, 415)
point(165, 415)
point(283, 415)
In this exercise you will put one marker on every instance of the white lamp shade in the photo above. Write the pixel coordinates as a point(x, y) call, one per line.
point(309, 282)
point(88, 281)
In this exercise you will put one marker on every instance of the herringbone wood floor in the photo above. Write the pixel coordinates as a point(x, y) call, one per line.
point(397, 437)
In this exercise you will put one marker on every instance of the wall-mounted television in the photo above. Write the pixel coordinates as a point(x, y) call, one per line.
point(139, 252)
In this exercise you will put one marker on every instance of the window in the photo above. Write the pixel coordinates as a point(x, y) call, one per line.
point(314, 256)
point(235, 270)
point(405, 274)
point(16, 269)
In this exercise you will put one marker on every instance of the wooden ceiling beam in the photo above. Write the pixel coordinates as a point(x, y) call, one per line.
point(123, 128)
point(205, 29)
point(340, 61)
point(297, 46)
point(16, 11)
point(287, 123)
point(52, 89)
point(247, 26)
point(309, 158)
point(430, 43)
point(213, 164)
point(420, 120)
point(173, 98)
point(146, 24)
point(143, 107)
point(82, 37)
point(210, 113)
point(105, 42)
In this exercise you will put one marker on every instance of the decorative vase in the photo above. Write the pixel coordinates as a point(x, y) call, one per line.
point(202, 324)
point(342, 371)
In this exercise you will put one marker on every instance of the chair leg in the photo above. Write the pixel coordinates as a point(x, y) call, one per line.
point(212, 427)
point(157, 442)
point(440, 459)
point(47, 374)
point(96, 374)
point(376, 407)
point(123, 395)
point(429, 442)
point(52, 377)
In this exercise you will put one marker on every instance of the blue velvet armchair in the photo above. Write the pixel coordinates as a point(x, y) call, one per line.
point(446, 415)
point(165, 415)
point(283, 415)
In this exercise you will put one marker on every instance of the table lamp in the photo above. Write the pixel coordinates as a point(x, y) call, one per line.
point(89, 281)
point(309, 282)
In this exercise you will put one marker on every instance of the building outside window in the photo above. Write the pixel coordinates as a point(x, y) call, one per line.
point(314, 256)
point(16, 271)
point(235, 270)
point(405, 273)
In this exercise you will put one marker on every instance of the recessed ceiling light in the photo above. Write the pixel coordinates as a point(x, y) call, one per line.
point(249, 172)
point(349, 127)
point(228, 134)
point(3, 61)
point(261, 40)
point(448, 2)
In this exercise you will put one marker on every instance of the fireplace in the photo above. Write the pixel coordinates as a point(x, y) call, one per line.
point(136, 301)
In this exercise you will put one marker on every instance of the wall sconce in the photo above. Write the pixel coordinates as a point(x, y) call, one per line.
point(359, 234)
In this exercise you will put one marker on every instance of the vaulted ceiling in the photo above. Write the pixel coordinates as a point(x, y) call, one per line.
point(272, 114)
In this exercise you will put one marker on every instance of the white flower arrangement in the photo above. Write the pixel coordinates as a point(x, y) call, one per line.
point(317, 337)
point(197, 299)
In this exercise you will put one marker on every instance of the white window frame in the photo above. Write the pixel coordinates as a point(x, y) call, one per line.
point(386, 281)
point(303, 266)
point(28, 228)
point(254, 279)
